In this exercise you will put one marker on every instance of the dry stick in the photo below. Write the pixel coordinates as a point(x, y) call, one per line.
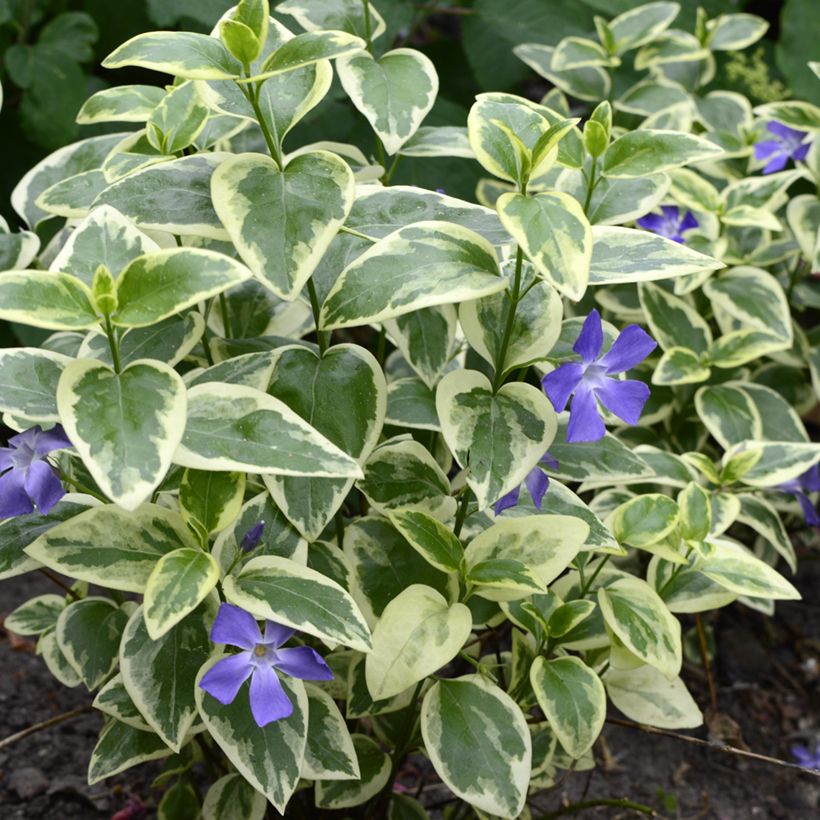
point(45, 724)
point(704, 654)
point(711, 744)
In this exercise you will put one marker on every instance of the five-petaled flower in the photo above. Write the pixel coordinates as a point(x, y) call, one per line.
point(669, 223)
point(27, 478)
point(592, 380)
point(536, 483)
point(787, 144)
point(806, 758)
point(800, 487)
point(260, 660)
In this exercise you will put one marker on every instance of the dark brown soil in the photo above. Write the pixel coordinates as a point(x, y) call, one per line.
point(768, 679)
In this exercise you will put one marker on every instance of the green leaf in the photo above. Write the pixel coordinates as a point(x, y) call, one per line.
point(589, 83)
point(35, 616)
point(49, 649)
point(535, 329)
point(736, 569)
point(402, 474)
point(307, 48)
point(28, 382)
point(233, 798)
point(645, 520)
point(544, 544)
point(647, 696)
point(394, 92)
point(211, 499)
point(158, 285)
point(282, 222)
point(425, 339)
point(120, 747)
point(329, 754)
point(673, 321)
point(679, 365)
point(745, 345)
point(504, 579)
point(567, 616)
point(497, 438)
point(178, 120)
point(178, 584)
point(88, 632)
point(55, 301)
point(438, 141)
point(578, 52)
point(268, 757)
point(283, 591)
point(73, 197)
point(630, 255)
point(418, 633)
point(641, 25)
point(382, 564)
point(794, 113)
point(173, 196)
point(180, 802)
point(123, 103)
point(113, 700)
point(729, 414)
point(111, 547)
point(180, 53)
point(638, 616)
point(554, 233)
point(236, 428)
point(411, 404)
point(573, 700)
point(479, 743)
point(430, 538)
point(303, 380)
point(763, 518)
point(649, 151)
point(684, 589)
point(160, 674)
point(374, 767)
point(695, 505)
point(125, 426)
point(424, 264)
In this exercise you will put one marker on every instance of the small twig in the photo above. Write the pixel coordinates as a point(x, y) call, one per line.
point(52, 577)
point(710, 744)
point(707, 667)
point(45, 724)
point(577, 808)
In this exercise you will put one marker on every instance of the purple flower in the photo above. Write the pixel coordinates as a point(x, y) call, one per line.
point(252, 537)
point(787, 144)
point(806, 758)
point(591, 380)
point(670, 223)
point(27, 478)
point(260, 660)
point(799, 487)
point(536, 482)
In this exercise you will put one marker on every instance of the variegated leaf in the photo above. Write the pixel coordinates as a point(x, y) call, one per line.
point(124, 103)
point(344, 15)
point(113, 700)
point(35, 615)
point(120, 747)
point(374, 767)
point(28, 382)
point(233, 798)
point(425, 338)
point(125, 426)
point(648, 151)
point(498, 438)
point(54, 301)
point(329, 754)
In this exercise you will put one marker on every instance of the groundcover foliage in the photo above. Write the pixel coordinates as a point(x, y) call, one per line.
point(345, 471)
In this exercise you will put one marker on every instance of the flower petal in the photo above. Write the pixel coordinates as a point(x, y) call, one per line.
point(671, 213)
point(688, 222)
point(302, 662)
point(590, 339)
point(507, 501)
point(785, 132)
point(27, 437)
point(537, 484)
point(585, 422)
point(6, 458)
point(14, 499)
point(43, 486)
point(268, 699)
point(765, 149)
point(234, 626)
point(50, 440)
point(625, 399)
point(652, 222)
point(560, 384)
point(549, 462)
point(629, 349)
point(224, 679)
point(809, 510)
point(810, 480)
point(800, 153)
point(776, 163)
point(277, 634)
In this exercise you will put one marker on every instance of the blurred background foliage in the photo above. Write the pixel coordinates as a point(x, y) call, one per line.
point(50, 51)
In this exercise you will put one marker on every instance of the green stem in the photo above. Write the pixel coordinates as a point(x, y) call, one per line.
point(321, 336)
point(498, 380)
point(353, 232)
point(81, 487)
point(223, 310)
point(586, 586)
point(461, 514)
point(391, 170)
point(206, 344)
point(368, 26)
point(252, 96)
point(112, 343)
point(592, 183)
point(381, 344)
point(577, 808)
point(339, 522)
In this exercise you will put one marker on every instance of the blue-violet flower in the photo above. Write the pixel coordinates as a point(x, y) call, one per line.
point(669, 223)
point(807, 758)
point(808, 482)
point(536, 482)
point(787, 144)
point(591, 380)
point(260, 660)
point(27, 478)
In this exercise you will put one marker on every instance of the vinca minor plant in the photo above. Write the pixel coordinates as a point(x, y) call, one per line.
point(344, 472)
